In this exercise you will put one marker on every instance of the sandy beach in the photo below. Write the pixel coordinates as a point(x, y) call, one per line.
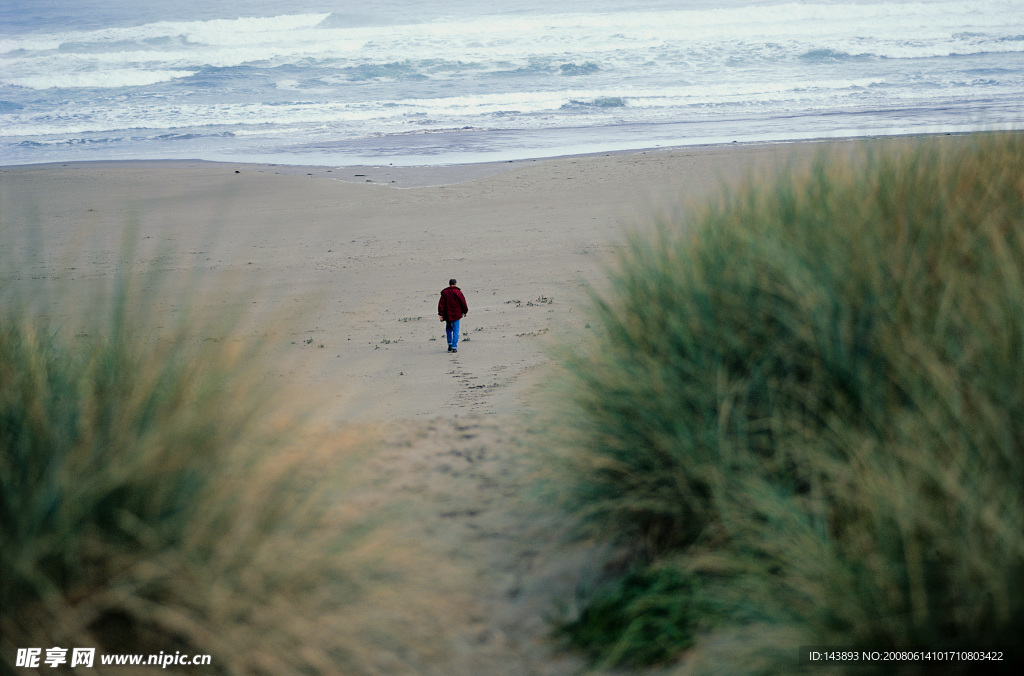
point(371, 247)
point(361, 254)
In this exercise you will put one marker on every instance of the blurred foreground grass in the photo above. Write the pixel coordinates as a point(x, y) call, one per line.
point(802, 415)
point(159, 493)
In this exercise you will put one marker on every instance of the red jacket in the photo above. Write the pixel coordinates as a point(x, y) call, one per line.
point(452, 305)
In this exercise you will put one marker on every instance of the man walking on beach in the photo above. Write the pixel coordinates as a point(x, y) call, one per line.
point(451, 308)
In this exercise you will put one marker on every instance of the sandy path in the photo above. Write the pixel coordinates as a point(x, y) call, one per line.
point(464, 484)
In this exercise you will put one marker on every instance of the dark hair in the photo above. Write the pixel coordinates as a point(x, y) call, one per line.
point(451, 282)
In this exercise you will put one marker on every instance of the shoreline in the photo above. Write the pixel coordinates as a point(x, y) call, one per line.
point(432, 175)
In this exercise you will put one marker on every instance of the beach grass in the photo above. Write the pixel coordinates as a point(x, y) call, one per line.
point(161, 492)
point(801, 414)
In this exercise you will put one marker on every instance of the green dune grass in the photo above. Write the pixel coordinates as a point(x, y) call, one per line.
point(802, 409)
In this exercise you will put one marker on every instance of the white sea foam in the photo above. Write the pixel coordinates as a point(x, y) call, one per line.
point(98, 79)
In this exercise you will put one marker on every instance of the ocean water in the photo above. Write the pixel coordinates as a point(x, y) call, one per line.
point(334, 82)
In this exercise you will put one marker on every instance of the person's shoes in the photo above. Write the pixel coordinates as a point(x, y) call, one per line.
point(454, 350)
point(451, 349)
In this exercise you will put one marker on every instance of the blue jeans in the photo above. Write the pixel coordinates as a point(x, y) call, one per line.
point(451, 329)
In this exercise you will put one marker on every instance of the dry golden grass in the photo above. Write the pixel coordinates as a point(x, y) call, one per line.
point(161, 490)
